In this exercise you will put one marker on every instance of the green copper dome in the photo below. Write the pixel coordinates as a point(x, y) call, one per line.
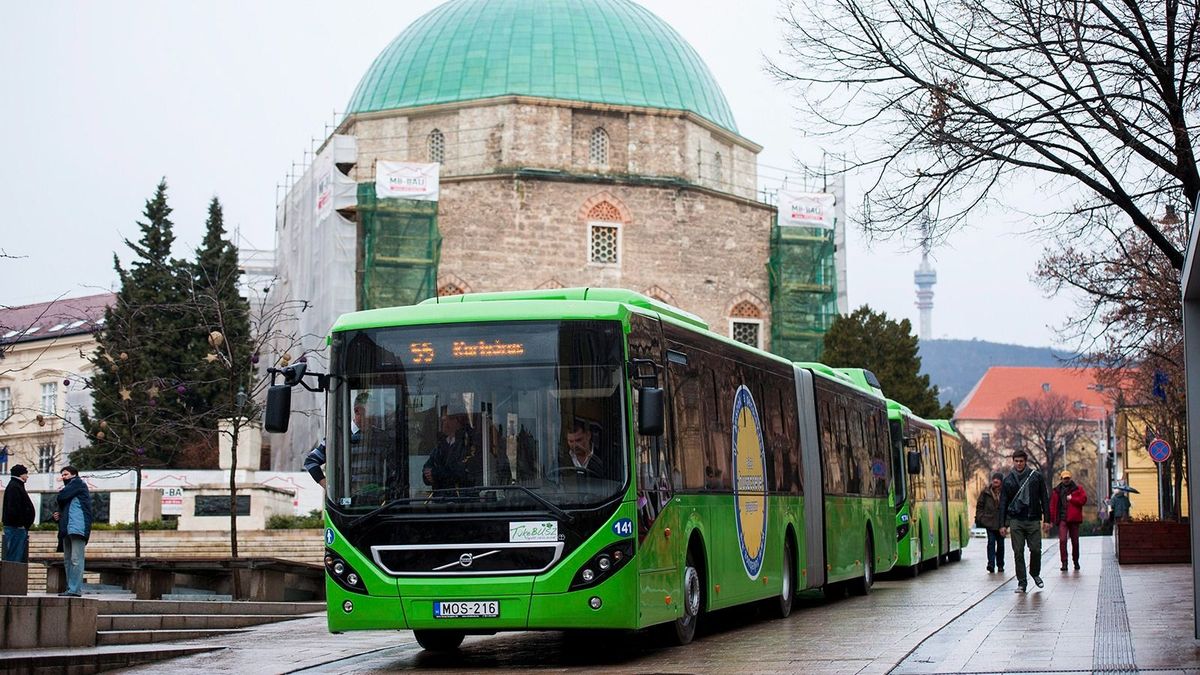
point(600, 51)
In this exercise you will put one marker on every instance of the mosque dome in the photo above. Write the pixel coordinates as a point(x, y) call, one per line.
point(596, 51)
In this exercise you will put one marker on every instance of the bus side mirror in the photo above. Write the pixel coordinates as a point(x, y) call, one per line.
point(279, 408)
point(914, 462)
point(650, 411)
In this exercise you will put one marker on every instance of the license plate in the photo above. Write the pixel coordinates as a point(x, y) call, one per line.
point(467, 609)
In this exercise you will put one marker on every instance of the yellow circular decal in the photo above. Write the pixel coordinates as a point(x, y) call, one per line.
point(749, 481)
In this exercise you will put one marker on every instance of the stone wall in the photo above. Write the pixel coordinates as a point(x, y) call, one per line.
point(705, 250)
point(485, 137)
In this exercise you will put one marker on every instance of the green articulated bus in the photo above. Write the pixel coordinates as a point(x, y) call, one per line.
point(931, 507)
point(957, 514)
point(584, 458)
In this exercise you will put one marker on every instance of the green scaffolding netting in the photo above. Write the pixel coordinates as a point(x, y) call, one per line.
point(401, 245)
point(803, 282)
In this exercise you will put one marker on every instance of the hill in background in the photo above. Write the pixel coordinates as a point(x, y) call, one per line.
point(955, 366)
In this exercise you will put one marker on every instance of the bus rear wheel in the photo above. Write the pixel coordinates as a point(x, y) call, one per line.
point(684, 628)
point(783, 604)
point(439, 640)
point(863, 584)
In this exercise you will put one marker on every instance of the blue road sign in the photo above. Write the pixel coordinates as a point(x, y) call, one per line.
point(1160, 450)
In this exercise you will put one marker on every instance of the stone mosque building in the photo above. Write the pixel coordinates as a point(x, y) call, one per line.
point(580, 143)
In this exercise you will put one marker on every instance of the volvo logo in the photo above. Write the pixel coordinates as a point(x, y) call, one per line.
point(466, 560)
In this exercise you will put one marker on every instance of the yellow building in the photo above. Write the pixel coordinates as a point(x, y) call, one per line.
point(1140, 472)
point(44, 351)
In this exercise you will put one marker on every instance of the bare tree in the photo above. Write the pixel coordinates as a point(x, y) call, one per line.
point(954, 101)
point(1045, 427)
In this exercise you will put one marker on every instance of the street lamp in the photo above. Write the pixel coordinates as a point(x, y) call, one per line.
point(1103, 454)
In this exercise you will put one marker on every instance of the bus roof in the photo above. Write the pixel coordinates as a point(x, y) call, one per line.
point(945, 425)
point(619, 295)
point(840, 375)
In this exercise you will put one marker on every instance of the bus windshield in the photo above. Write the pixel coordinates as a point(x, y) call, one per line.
point(453, 417)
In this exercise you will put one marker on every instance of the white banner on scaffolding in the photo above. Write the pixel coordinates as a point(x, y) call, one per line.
point(806, 209)
point(406, 180)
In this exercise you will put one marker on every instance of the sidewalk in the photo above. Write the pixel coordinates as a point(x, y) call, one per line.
point(1105, 617)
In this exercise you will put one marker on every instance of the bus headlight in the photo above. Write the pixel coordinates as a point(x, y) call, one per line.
point(603, 565)
point(343, 574)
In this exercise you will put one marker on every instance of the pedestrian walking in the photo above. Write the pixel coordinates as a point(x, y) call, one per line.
point(18, 516)
point(1023, 509)
point(1066, 513)
point(74, 516)
point(1120, 504)
point(987, 516)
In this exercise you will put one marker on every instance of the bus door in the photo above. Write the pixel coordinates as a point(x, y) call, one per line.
point(660, 535)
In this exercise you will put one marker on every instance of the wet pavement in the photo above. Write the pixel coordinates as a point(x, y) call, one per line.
point(958, 619)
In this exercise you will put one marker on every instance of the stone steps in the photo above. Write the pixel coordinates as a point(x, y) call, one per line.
point(281, 609)
point(169, 622)
point(139, 637)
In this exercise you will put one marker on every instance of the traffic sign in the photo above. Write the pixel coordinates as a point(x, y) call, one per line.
point(1160, 450)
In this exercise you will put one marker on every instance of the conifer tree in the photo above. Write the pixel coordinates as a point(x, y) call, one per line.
point(141, 408)
point(869, 339)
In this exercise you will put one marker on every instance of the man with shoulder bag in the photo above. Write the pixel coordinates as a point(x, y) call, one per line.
point(1024, 515)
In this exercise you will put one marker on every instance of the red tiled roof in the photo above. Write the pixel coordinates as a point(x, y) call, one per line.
point(1001, 384)
point(57, 318)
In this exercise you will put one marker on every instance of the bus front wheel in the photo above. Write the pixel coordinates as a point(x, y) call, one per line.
point(439, 640)
point(693, 598)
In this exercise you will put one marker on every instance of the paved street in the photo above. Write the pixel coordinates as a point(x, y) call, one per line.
point(956, 619)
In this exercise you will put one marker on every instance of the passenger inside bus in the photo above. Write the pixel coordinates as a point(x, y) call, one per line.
point(457, 461)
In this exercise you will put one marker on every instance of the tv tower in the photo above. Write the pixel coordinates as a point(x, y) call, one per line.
point(925, 277)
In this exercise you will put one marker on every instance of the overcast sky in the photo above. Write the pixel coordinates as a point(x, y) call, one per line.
point(100, 100)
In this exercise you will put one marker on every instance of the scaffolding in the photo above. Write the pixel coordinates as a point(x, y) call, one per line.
point(803, 279)
point(400, 250)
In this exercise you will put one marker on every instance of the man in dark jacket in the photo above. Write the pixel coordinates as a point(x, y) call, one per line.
point(74, 516)
point(18, 516)
point(1024, 513)
point(987, 516)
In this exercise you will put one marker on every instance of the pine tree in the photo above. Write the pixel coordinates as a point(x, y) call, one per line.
point(141, 407)
point(868, 339)
point(223, 345)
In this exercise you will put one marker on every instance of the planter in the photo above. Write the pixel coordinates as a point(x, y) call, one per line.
point(1153, 542)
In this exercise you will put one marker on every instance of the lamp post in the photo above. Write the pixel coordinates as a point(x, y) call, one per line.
point(1103, 454)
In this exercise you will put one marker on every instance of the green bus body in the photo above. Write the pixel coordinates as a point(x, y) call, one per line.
point(931, 520)
point(721, 494)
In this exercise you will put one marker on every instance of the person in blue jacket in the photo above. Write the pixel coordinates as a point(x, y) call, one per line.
point(74, 516)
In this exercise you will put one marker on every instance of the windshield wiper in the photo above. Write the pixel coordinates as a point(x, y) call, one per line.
point(550, 506)
point(385, 506)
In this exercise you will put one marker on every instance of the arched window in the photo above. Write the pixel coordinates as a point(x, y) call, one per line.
point(598, 147)
point(658, 293)
point(450, 289)
point(604, 234)
point(437, 146)
point(745, 323)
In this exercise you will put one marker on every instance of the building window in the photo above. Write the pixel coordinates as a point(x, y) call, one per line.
point(49, 398)
point(985, 441)
point(747, 332)
point(745, 324)
point(3, 460)
point(46, 458)
point(604, 237)
point(718, 169)
point(604, 234)
point(450, 289)
point(5, 403)
point(437, 146)
point(598, 147)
